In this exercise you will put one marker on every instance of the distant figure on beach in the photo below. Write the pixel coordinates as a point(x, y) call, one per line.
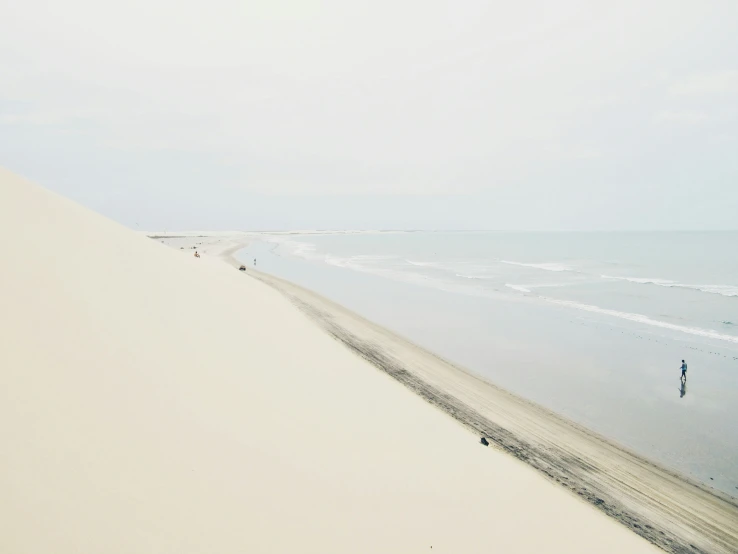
point(196, 254)
point(254, 262)
point(684, 371)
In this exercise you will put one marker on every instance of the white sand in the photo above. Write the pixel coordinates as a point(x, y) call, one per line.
point(155, 402)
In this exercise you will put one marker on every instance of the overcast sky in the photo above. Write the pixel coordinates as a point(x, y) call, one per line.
point(274, 114)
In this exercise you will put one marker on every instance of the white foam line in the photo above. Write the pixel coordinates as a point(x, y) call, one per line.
point(485, 277)
point(640, 280)
point(546, 267)
point(722, 290)
point(519, 288)
point(638, 318)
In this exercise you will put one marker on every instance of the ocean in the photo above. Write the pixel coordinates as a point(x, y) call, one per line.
point(593, 326)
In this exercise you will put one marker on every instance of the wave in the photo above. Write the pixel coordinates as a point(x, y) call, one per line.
point(474, 276)
point(527, 287)
point(299, 249)
point(370, 264)
point(407, 277)
point(723, 290)
point(641, 280)
point(267, 235)
point(519, 288)
point(553, 266)
point(464, 269)
point(639, 318)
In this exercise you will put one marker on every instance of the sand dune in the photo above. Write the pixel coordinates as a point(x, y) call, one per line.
point(155, 402)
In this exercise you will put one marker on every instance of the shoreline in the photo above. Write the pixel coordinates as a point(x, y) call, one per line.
point(668, 509)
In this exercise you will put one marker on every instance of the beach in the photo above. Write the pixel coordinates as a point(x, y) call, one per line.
point(158, 402)
point(592, 326)
point(644, 496)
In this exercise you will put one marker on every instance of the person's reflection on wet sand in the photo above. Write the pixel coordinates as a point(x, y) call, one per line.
point(683, 389)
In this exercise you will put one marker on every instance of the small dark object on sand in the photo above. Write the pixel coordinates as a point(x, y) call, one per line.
point(484, 441)
point(242, 268)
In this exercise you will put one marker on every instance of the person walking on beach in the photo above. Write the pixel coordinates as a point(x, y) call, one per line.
point(684, 371)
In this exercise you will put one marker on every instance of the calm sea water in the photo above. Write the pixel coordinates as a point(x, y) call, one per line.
point(591, 325)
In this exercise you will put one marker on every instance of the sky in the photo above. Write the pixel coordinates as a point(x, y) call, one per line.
point(402, 114)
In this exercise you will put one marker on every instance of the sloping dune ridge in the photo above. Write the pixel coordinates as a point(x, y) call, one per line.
point(155, 402)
